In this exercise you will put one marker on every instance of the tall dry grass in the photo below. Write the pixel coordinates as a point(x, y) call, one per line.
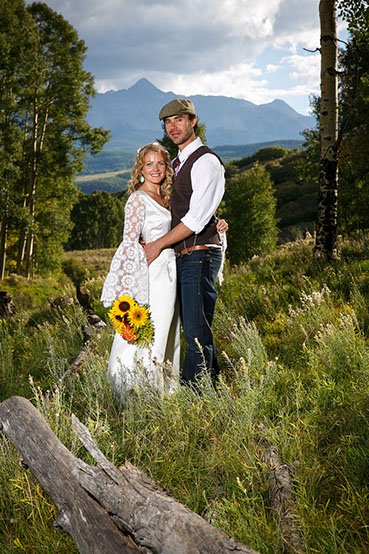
point(292, 334)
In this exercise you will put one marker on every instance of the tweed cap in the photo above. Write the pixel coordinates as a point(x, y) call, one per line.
point(179, 106)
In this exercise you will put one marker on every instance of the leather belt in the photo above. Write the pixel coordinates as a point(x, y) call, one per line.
point(192, 248)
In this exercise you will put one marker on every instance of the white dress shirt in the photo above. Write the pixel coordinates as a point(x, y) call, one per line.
point(207, 179)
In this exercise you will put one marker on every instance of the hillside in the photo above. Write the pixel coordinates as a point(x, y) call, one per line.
point(292, 334)
point(297, 198)
point(109, 170)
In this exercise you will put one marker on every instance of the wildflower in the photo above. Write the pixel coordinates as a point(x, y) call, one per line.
point(138, 316)
point(123, 304)
point(127, 333)
point(119, 312)
point(132, 321)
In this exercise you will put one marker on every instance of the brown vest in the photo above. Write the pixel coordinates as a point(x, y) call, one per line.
point(180, 203)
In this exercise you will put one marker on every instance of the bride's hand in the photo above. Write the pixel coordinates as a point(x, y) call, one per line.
point(222, 226)
point(152, 252)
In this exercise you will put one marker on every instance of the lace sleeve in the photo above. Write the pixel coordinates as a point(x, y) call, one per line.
point(129, 272)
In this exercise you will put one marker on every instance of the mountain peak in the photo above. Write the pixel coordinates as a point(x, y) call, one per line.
point(283, 107)
point(132, 117)
point(143, 85)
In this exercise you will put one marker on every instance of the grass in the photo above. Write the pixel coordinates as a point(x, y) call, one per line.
point(292, 336)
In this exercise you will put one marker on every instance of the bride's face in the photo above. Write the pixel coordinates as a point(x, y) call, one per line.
point(154, 168)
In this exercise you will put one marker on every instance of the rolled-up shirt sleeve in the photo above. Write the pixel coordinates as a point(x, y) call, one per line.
point(207, 178)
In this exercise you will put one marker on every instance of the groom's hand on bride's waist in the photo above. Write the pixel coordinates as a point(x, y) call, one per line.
point(152, 251)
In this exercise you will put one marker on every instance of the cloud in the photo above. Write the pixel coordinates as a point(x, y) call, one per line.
point(199, 46)
point(270, 68)
point(235, 81)
point(124, 36)
point(305, 69)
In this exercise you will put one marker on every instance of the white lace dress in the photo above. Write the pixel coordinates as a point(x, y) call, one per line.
point(156, 286)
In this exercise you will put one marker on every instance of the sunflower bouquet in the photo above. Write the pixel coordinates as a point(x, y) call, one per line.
point(132, 321)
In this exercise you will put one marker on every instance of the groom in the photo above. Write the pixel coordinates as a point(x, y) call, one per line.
point(197, 191)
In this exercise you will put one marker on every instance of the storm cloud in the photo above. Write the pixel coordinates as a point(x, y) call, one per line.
point(219, 47)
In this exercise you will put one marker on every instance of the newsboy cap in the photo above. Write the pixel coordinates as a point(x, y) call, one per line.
point(179, 106)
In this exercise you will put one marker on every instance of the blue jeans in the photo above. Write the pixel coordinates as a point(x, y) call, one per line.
point(197, 273)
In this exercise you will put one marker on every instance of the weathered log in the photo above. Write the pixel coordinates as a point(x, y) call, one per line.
point(281, 499)
point(99, 503)
point(53, 465)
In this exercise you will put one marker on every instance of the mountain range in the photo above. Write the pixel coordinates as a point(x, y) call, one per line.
point(132, 116)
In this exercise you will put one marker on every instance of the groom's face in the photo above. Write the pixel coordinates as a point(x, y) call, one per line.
point(180, 129)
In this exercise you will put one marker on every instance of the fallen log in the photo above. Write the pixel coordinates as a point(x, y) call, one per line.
point(104, 509)
point(52, 464)
point(281, 499)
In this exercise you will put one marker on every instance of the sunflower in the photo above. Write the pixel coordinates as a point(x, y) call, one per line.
point(119, 312)
point(123, 305)
point(116, 319)
point(138, 316)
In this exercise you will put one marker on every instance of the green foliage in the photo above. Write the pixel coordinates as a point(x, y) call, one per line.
point(43, 346)
point(249, 206)
point(32, 293)
point(292, 336)
point(354, 94)
point(353, 190)
point(44, 133)
point(30, 513)
point(295, 189)
point(75, 270)
point(98, 222)
point(356, 14)
point(263, 155)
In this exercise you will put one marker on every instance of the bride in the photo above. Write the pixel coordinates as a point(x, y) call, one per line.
point(147, 215)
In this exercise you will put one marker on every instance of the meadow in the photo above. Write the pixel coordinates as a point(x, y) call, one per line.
point(292, 336)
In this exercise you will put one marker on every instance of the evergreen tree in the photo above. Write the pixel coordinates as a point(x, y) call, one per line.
point(249, 207)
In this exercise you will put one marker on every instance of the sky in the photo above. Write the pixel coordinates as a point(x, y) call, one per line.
point(249, 49)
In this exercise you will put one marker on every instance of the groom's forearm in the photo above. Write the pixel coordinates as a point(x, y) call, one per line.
point(180, 232)
point(153, 249)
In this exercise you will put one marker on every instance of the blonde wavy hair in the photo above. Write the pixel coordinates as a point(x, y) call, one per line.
point(166, 184)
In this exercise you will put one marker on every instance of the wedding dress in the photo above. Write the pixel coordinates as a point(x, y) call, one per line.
point(155, 286)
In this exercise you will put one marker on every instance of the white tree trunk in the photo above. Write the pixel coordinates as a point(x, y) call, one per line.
point(326, 239)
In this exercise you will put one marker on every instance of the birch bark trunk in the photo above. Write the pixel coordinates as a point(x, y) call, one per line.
point(327, 232)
